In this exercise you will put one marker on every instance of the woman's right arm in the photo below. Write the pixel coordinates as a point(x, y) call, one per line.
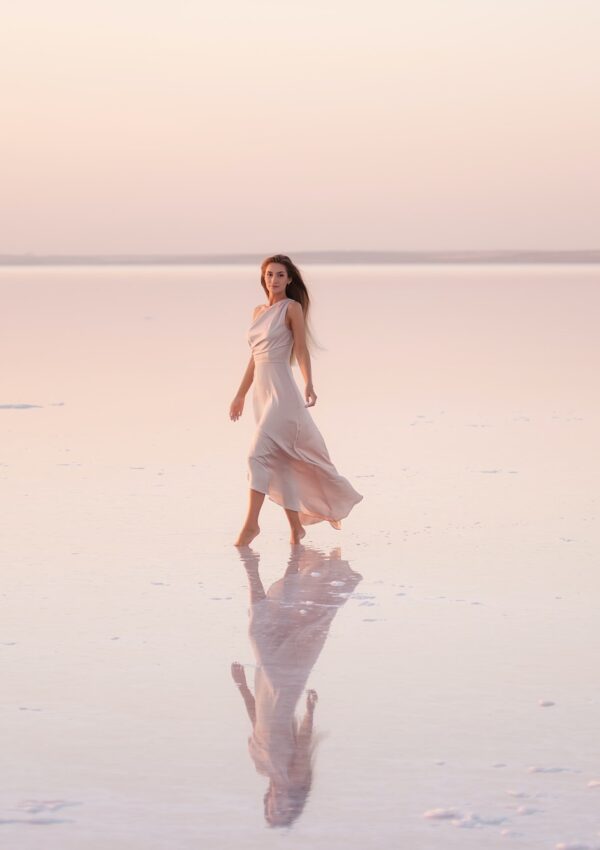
point(237, 405)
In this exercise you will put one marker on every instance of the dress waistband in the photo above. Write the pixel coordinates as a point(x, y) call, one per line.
point(268, 358)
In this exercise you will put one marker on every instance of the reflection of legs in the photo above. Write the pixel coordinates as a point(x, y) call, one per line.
point(296, 526)
point(251, 527)
point(292, 567)
point(257, 591)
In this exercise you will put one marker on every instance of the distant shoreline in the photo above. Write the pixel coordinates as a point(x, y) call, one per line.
point(310, 257)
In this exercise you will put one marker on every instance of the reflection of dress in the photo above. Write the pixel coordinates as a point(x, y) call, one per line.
point(288, 458)
point(287, 630)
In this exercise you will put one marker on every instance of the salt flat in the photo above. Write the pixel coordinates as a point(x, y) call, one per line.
point(455, 670)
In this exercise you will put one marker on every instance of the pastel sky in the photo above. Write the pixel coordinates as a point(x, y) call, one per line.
point(265, 125)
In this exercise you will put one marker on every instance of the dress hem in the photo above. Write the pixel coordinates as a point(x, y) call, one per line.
point(308, 518)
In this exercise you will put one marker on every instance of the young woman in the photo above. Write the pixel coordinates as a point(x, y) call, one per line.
point(288, 458)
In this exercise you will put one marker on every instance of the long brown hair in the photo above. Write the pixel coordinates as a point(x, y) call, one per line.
point(297, 291)
point(299, 787)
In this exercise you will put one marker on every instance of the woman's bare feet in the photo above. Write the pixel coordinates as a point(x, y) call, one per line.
point(247, 534)
point(297, 534)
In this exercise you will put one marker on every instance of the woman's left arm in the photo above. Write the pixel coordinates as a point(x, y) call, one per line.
point(301, 350)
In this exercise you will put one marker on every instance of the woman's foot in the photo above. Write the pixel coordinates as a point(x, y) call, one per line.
point(247, 534)
point(297, 534)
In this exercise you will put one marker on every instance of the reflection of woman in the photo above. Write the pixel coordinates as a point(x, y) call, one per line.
point(288, 628)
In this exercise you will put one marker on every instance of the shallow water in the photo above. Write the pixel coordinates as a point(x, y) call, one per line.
point(455, 647)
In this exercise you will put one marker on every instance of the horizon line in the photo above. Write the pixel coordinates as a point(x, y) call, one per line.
point(584, 255)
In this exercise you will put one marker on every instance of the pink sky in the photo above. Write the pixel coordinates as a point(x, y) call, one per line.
point(258, 126)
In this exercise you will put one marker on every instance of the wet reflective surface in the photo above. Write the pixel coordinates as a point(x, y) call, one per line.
point(425, 677)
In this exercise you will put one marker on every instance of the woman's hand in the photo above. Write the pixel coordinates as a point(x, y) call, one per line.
point(311, 701)
point(236, 408)
point(238, 674)
point(310, 396)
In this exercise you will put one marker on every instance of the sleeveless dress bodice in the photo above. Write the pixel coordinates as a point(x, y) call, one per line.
point(269, 337)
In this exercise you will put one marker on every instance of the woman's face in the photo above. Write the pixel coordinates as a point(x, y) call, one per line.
point(276, 279)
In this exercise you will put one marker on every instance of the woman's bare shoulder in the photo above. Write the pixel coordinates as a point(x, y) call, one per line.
point(257, 310)
point(294, 310)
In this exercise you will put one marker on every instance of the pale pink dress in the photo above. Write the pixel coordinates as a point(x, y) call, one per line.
point(288, 458)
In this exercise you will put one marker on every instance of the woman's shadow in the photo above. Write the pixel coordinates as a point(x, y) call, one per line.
point(288, 628)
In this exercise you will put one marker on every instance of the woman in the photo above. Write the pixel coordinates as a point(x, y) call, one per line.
point(288, 458)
